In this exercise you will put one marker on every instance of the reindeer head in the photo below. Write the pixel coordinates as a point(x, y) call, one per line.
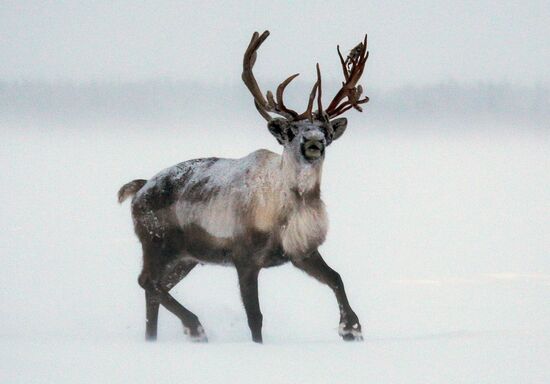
point(309, 133)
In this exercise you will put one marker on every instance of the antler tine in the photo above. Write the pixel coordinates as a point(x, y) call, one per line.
point(352, 67)
point(319, 92)
point(348, 105)
point(343, 63)
point(316, 90)
point(361, 60)
point(262, 105)
point(280, 91)
point(309, 110)
point(308, 113)
point(249, 60)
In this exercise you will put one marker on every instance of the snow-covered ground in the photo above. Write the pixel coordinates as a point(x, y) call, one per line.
point(442, 237)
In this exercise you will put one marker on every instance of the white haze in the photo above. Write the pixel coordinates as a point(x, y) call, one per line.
point(411, 42)
point(441, 238)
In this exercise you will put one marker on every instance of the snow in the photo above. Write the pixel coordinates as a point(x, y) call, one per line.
point(440, 235)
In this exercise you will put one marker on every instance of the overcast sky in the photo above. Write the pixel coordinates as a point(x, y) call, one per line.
point(410, 42)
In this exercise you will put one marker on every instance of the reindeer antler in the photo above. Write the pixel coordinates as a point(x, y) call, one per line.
point(353, 68)
point(262, 105)
point(316, 90)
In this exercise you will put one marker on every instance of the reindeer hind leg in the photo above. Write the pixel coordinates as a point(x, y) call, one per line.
point(157, 280)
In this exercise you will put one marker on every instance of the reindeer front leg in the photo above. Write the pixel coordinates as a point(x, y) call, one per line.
point(314, 265)
point(248, 283)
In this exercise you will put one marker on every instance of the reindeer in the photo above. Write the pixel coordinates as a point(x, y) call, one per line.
point(259, 211)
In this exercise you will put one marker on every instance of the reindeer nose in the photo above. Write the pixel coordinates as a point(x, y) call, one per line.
point(313, 149)
point(315, 144)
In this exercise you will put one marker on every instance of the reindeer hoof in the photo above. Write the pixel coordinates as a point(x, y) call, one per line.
point(199, 339)
point(196, 335)
point(350, 332)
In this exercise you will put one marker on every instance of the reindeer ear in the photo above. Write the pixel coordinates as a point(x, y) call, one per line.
point(280, 128)
point(339, 126)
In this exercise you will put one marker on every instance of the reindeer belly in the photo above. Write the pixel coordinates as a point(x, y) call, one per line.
point(198, 244)
point(259, 248)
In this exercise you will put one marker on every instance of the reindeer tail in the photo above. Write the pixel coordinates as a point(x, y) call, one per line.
point(130, 189)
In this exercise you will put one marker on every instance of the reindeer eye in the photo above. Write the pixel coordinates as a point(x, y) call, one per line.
point(290, 134)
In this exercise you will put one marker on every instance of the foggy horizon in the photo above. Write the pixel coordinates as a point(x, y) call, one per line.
point(173, 99)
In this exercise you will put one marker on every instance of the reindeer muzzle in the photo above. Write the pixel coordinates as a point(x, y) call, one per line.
point(313, 149)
